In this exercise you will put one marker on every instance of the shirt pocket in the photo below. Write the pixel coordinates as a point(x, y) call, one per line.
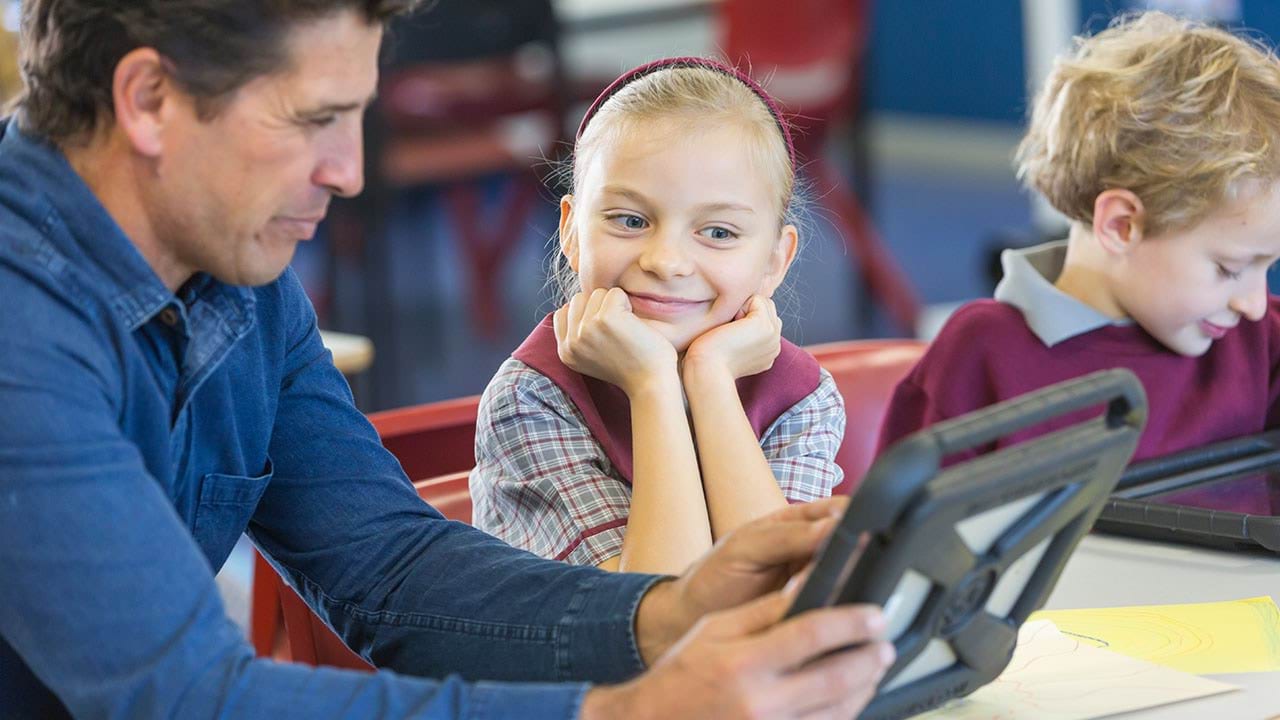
point(226, 504)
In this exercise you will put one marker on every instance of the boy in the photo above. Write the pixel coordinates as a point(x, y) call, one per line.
point(1159, 139)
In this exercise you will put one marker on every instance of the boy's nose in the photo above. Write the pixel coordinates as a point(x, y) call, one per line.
point(1251, 303)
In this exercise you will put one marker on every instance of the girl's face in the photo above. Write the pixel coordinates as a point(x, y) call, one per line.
point(680, 218)
point(1191, 287)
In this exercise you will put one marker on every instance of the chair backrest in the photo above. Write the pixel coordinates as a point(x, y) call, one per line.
point(866, 372)
point(433, 439)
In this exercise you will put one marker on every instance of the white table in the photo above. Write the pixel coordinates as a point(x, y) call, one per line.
point(1108, 571)
point(352, 354)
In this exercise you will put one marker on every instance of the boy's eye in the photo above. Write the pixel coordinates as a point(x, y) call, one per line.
point(629, 222)
point(321, 121)
point(1226, 273)
point(719, 234)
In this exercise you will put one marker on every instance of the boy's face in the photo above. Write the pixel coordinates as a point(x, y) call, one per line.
point(683, 221)
point(1190, 287)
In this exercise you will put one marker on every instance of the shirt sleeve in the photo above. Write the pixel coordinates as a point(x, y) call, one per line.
point(541, 480)
point(801, 445)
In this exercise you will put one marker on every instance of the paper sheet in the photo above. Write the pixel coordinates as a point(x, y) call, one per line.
point(1056, 677)
point(1223, 637)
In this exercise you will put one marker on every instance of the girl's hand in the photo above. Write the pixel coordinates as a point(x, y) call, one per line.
point(599, 336)
point(746, 346)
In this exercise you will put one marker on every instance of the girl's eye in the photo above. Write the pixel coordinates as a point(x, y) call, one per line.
point(719, 234)
point(629, 222)
point(1227, 274)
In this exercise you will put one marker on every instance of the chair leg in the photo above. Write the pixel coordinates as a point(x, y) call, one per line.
point(265, 627)
point(487, 246)
point(876, 266)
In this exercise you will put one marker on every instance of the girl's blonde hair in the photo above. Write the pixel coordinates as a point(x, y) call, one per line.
point(1173, 110)
point(695, 96)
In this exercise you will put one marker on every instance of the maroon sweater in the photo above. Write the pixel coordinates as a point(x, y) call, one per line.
point(986, 353)
point(795, 374)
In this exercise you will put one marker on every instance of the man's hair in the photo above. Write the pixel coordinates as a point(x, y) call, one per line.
point(1173, 110)
point(70, 49)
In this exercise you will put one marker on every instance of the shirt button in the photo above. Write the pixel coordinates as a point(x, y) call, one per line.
point(169, 316)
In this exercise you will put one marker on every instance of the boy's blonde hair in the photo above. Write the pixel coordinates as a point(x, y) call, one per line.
point(695, 97)
point(1173, 110)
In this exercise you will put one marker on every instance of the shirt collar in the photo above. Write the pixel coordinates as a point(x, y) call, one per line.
point(79, 226)
point(1052, 315)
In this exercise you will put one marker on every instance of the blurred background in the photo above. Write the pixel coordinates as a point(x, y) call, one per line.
point(909, 113)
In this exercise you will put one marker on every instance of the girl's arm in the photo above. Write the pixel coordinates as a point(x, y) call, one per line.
point(668, 527)
point(736, 477)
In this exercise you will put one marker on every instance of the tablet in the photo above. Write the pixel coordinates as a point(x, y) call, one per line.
point(1224, 495)
point(960, 554)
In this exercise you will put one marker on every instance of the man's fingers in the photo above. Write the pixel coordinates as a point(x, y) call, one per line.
point(815, 633)
point(837, 686)
point(778, 543)
point(827, 507)
point(751, 617)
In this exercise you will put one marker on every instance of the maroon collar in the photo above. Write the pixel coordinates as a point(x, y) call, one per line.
point(607, 411)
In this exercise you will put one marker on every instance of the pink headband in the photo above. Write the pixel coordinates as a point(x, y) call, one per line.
point(685, 62)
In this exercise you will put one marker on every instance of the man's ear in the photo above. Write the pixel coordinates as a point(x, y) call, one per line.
point(1118, 219)
point(144, 95)
point(568, 235)
point(780, 259)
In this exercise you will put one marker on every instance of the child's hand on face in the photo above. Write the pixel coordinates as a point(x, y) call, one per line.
point(599, 335)
point(746, 346)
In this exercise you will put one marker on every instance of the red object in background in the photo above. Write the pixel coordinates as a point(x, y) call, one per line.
point(811, 56)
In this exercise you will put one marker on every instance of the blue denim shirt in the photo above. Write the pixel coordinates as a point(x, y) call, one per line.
point(141, 432)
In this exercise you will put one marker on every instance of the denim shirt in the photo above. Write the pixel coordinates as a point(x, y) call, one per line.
point(141, 431)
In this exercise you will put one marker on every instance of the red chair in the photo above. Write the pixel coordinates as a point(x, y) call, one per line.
point(811, 56)
point(866, 371)
point(429, 440)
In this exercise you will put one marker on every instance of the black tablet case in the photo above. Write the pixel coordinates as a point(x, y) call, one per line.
point(960, 555)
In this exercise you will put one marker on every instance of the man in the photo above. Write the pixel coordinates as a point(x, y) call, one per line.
point(165, 389)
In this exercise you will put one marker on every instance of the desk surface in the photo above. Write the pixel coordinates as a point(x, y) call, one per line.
point(352, 354)
point(1109, 571)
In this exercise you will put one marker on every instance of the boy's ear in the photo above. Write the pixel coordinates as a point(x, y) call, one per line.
point(780, 259)
point(143, 94)
point(568, 236)
point(1118, 219)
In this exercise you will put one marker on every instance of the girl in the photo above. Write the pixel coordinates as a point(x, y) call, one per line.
point(659, 408)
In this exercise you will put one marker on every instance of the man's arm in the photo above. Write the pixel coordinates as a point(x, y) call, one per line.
point(405, 588)
point(104, 593)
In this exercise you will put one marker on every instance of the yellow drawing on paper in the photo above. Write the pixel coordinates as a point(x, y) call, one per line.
point(1055, 677)
point(1237, 636)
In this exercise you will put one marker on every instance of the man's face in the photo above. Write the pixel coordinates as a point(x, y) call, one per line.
point(234, 195)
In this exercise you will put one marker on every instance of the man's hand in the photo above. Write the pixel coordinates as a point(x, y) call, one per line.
point(745, 663)
point(756, 559)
